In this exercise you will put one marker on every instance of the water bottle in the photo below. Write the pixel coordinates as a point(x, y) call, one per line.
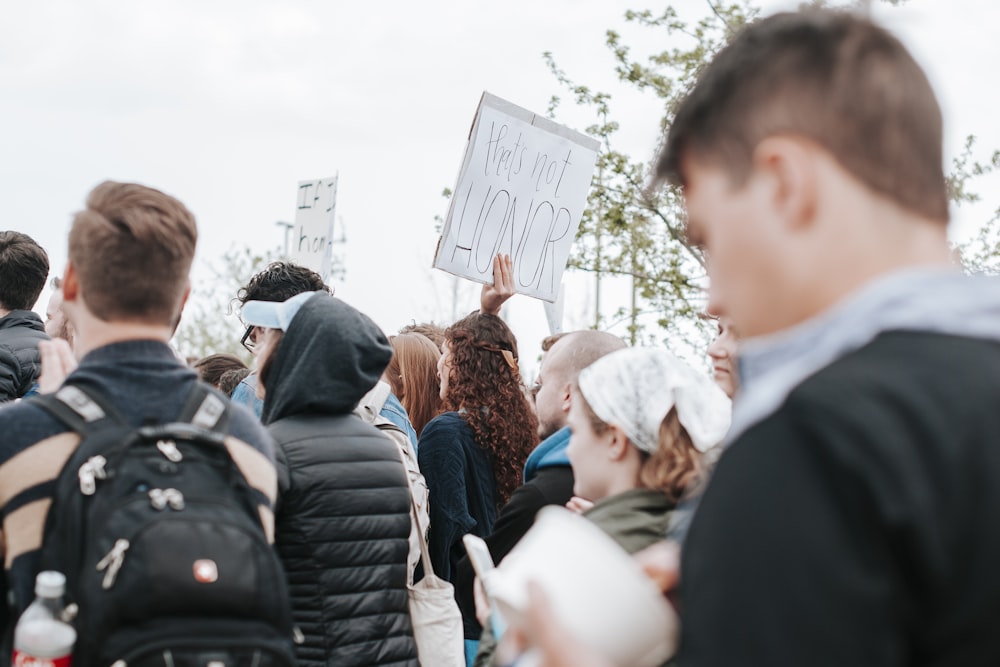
point(41, 637)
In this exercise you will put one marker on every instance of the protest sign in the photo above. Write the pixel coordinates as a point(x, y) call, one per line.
point(312, 236)
point(521, 191)
point(554, 311)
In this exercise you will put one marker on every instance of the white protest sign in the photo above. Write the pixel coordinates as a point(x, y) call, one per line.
point(554, 312)
point(521, 191)
point(312, 236)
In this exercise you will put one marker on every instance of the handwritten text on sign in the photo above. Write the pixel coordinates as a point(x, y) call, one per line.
point(521, 191)
point(312, 241)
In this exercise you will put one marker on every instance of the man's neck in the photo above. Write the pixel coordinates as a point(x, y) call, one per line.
point(867, 239)
point(98, 334)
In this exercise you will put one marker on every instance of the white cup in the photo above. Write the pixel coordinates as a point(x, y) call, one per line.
point(597, 591)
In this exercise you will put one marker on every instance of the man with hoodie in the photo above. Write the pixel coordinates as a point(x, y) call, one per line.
point(280, 281)
point(343, 510)
point(24, 268)
point(548, 478)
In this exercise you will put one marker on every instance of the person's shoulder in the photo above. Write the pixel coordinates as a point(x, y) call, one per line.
point(528, 498)
point(444, 423)
point(25, 423)
point(443, 435)
point(904, 372)
point(553, 483)
point(245, 426)
point(904, 394)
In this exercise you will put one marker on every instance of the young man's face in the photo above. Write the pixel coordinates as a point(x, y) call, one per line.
point(744, 243)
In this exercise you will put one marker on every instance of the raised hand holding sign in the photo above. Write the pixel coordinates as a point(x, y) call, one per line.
point(521, 193)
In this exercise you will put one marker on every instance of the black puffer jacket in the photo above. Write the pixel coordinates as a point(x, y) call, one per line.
point(343, 513)
point(20, 332)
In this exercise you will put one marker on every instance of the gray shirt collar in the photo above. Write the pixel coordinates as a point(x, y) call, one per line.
point(937, 300)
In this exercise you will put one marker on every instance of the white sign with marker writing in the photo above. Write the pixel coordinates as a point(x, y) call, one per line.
point(311, 243)
point(521, 191)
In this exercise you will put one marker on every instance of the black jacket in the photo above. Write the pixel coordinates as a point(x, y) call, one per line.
point(20, 332)
point(857, 524)
point(551, 485)
point(343, 516)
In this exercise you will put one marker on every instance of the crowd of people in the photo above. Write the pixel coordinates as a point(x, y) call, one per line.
point(828, 496)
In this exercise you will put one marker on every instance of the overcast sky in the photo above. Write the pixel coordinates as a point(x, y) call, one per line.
point(228, 104)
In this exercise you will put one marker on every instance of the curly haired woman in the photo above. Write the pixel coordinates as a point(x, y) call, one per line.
point(472, 455)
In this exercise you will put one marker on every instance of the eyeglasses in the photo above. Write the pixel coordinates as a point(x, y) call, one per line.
point(247, 341)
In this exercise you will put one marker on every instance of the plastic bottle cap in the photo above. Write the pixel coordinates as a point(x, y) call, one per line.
point(50, 584)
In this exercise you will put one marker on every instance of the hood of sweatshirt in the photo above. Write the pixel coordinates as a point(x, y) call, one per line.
point(330, 356)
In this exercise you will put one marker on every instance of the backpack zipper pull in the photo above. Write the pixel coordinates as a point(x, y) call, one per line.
point(91, 471)
point(175, 499)
point(157, 498)
point(112, 563)
point(169, 449)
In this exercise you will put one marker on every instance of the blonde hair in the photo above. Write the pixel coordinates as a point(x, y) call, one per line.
point(676, 467)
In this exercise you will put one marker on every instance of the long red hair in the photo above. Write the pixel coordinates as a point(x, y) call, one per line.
point(413, 376)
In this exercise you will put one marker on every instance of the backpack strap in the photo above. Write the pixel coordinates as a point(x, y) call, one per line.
point(82, 411)
point(370, 406)
point(207, 409)
point(85, 412)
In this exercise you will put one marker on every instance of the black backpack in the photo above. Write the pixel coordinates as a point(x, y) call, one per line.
point(160, 539)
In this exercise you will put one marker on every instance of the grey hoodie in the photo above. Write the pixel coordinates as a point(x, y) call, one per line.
point(330, 357)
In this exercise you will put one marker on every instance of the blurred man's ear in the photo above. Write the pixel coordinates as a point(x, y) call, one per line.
point(789, 164)
point(70, 285)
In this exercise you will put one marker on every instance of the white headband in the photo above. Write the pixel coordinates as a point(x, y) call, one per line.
point(634, 389)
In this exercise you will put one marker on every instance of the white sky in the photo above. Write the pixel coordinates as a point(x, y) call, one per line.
point(228, 104)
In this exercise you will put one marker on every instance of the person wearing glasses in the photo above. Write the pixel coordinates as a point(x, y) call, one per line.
point(279, 282)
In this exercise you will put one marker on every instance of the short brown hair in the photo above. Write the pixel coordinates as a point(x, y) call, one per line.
point(231, 379)
point(132, 249)
point(676, 466)
point(549, 341)
point(24, 268)
point(831, 77)
point(214, 366)
point(435, 332)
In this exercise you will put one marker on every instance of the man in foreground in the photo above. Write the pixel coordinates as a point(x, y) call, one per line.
point(852, 518)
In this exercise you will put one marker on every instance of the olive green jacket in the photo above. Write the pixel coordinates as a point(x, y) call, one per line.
point(634, 519)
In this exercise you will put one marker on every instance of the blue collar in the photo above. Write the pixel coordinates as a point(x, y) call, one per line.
point(550, 452)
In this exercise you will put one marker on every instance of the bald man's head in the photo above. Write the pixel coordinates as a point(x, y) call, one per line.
point(561, 364)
